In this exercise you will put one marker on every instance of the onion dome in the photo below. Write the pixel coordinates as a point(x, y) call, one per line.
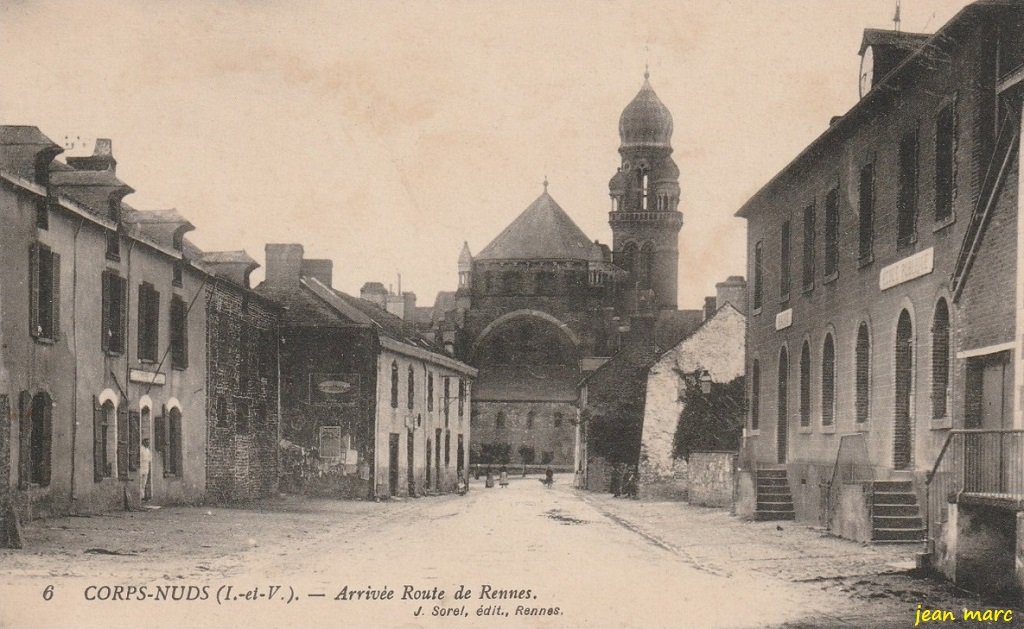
point(619, 182)
point(645, 122)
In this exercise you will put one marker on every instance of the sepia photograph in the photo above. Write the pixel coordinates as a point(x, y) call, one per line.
point(392, 314)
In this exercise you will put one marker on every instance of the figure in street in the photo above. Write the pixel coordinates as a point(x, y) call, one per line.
point(145, 463)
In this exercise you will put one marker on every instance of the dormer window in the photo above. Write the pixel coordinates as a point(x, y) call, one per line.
point(113, 246)
point(176, 274)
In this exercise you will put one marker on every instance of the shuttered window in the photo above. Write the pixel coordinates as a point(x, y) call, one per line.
point(149, 322)
point(940, 360)
point(805, 385)
point(784, 263)
point(828, 381)
point(832, 233)
point(906, 200)
point(808, 260)
point(44, 283)
point(862, 377)
point(172, 461)
point(758, 275)
point(945, 162)
point(114, 313)
point(394, 384)
point(866, 219)
point(179, 333)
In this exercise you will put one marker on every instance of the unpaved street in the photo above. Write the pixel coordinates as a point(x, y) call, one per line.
point(579, 559)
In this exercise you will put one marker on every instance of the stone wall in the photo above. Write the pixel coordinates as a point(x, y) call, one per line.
point(550, 432)
point(711, 478)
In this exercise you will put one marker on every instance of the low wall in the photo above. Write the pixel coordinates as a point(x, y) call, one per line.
point(710, 478)
point(745, 503)
point(673, 487)
point(851, 515)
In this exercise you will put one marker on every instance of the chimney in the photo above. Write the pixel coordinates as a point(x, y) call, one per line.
point(409, 298)
point(102, 158)
point(710, 306)
point(321, 269)
point(734, 291)
point(284, 265)
point(374, 292)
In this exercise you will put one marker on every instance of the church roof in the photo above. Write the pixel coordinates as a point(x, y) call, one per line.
point(542, 232)
point(646, 121)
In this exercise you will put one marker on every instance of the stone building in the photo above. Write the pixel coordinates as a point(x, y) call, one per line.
point(543, 304)
point(100, 346)
point(369, 407)
point(242, 381)
point(886, 310)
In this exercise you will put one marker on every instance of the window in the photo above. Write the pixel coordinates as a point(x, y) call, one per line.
point(862, 376)
point(447, 448)
point(628, 262)
point(411, 394)
point(906, 200)
point(828, 381)
point(530, 416)
point(113, 245)
point(104, 421)
point(940, 360)
point(241, 417)
point(784, 263)
point(546, 283)
point(644, 190)
point(222, 411)
point(462, 398)
point(866, 224)
point(394, 384)
point(558, 420)
point(805, 385)
point(758, 275)
point(115, 289)
point(945, 162)
point(149, 322)
point(430, 391)
point(43, 212)
point(832, 233)
point(645, 265)
point(172, 464)
point(499, 421)
point(35, 438)
point(176, 274)
point(44, 280)
point(755, 395)
point(447, 399)
point(179, 333)
point(808, 266)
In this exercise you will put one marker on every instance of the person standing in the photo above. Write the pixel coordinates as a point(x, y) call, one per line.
point(145, 463)
point(503, 479)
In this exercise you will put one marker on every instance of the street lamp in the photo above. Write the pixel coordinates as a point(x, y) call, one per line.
point(705, 382)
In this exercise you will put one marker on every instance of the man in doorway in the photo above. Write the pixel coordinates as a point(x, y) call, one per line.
point(145, 463)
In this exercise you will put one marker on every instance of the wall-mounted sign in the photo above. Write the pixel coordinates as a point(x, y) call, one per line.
point(911, 267)
point(330, 442)
point(333, 388)
point(784, 319)
point(146, 377)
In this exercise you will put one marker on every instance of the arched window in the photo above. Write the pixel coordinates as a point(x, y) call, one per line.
point(782, 407)
point(173, 463)
point(412, 388)
point(629, 255)
point(805, 385)
point(862, 374)
point(940, 359)
point(645, 265)
point(394, 384)
point(903, 429)
point(755, 395)
point(828, 381)
point(645, 190)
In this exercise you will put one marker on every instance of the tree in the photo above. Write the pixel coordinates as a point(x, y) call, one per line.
point(527, 454)
point(710, 421)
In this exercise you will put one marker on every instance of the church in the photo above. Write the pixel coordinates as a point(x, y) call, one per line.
point(543, 304)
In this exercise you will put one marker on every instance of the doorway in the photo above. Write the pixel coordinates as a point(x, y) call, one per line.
point(429, 459)
point(782, 416)
point(903, 433)
point(393, 464)
point(988, 405)
point(410, 468)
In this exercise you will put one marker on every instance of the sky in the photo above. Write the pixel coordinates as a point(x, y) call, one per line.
point(384, 134)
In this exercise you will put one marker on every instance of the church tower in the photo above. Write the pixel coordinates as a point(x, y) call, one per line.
point(644, 219)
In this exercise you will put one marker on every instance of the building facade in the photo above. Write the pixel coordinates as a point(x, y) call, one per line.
point(884, 259)
point(369, 408)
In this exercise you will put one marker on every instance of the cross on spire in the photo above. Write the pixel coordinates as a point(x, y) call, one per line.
point(545, 183)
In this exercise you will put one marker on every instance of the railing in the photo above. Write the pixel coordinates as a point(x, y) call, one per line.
point(988, 462)
point(852, 466)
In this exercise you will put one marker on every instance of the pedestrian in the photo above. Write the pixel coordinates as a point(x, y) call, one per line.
point(549, 477)
point(489, 482)
point(616, 480)
point(145, 463)
point(504, 476)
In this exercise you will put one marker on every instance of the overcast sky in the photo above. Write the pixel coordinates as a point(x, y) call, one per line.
point(382, 135)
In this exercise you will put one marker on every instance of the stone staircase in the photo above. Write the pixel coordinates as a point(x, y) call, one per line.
point(774, 500)
point(895, 517)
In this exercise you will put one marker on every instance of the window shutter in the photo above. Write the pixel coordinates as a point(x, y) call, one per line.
point(106, 326)
point(24, 439)
point(160, 431)
point(33, 281)
point(55, 290)
point(134, 442)
point(97, 439)
point(154, 325)
point(143, 322)
point(122, 441)
point(121, 317)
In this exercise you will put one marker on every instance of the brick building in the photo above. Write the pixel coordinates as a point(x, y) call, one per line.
point(369, 407)
point(542, 303)
point(884, 264)
point(100, 347)
point(242, 381)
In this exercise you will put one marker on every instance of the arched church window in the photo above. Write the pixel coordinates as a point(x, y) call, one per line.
point(644, 190)
point(645, 265)
point(629, 253)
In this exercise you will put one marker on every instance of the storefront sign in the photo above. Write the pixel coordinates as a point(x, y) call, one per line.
point(784, 319)
point(146, 377)
point(908, 268)
point(333, 388)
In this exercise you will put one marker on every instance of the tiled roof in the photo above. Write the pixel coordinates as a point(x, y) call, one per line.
point(94, 189)
point(21, 146)
point(542, 232)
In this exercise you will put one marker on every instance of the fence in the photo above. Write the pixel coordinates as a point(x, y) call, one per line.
point(852, 466)
point(983, 462)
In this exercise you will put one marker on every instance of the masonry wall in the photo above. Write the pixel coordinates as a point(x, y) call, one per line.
point(552, 444)
point(242, 417)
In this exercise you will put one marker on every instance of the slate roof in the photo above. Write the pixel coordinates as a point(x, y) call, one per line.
point(519, 383)
point(879, 37)
point(542, 232)
point(21, 146)
point(94, 189)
